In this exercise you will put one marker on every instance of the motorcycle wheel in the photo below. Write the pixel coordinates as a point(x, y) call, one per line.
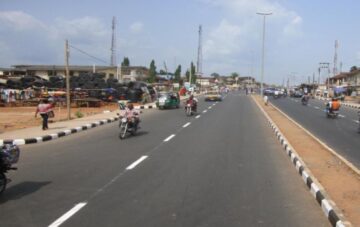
point(188, 111)
point(3, 182)
point(123, 129)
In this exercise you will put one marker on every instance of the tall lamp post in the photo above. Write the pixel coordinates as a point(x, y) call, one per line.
point(263, 52)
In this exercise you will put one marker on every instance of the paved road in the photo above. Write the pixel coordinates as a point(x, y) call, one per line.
point(340, 134)
point(225, 168)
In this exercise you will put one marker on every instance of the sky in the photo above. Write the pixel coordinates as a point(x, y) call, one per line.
point(299, 34)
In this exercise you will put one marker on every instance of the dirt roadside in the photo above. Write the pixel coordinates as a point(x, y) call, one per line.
point(12, 118)
point(341, 183)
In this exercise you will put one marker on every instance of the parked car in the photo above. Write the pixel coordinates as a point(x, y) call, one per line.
point(168, 100)
point(213, 96)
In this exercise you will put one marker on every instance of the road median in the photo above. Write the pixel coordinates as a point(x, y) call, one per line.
point(338, 180)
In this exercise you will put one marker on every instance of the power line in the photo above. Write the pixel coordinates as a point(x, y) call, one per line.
point(87, 54)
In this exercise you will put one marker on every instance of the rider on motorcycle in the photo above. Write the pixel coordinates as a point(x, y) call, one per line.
point(193, 102)
point(132, 115)
point(333, 105)
point(305, 98)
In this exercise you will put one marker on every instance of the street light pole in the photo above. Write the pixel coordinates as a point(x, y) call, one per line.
point(67, 75)
point(263, 52)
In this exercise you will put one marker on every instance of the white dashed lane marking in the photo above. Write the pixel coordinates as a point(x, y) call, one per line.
point(67, 215)
point(204, 111)
point(198, 116)
point(186, 125)
point(169, 138)
point(137, 162)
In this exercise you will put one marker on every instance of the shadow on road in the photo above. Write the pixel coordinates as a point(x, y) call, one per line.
point(18, 191)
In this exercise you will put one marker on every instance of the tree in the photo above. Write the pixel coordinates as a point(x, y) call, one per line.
point(177, 74)
point(193, 76)
point(215, 75)
point(125, 62)
point(162, 72)
point(354, 68)
point(152, 72)
point(234, 75)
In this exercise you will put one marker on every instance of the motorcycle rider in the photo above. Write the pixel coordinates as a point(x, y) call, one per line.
point(333, 105)
point(305, 98)
point(132, 115)
point(193, 102)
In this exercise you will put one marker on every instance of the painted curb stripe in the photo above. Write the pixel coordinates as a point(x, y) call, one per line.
point(58, 134)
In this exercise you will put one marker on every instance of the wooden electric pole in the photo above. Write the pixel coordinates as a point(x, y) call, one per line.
point(67, 75)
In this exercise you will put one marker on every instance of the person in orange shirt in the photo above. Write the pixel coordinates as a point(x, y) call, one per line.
point(333, 105)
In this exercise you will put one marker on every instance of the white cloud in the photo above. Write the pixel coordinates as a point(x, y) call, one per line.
point(224, 40)
point(20, 21)
point(239, 32)
point(137, 27)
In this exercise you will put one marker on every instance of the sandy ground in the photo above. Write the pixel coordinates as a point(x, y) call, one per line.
point(340, 182)
point(12, 118)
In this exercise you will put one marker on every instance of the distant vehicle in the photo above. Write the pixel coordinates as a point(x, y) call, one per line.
point(269, 91)
point(168, 100)
point(213, 96)
point(297, 94)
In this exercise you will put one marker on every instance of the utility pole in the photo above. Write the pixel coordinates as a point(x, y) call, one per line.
point(326, 65)
point(67, 75)
point(113, 43)
point(263, 52)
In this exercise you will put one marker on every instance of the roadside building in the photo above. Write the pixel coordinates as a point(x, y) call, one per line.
point(348, 80)
point(45, 71)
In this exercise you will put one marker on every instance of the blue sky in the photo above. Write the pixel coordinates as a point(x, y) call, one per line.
point(299, 34)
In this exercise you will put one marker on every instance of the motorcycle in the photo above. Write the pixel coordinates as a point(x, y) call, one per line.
point(127, 127)
point(304, 101)
point(331, 113)
point(9, 155)
point(190, 109)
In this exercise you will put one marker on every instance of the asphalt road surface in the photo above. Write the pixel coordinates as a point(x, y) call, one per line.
point(223, 167)
point(340, 133)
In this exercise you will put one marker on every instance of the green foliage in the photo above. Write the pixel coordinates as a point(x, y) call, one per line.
point(353, 68)
point(193, 74)
point(177, 74)
point(79, 114)
point(234, 75)
point(215, 75)
point(126, 62)
point(152, 72)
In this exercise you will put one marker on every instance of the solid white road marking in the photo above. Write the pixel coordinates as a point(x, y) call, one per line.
point(197, 116)
point(137, 162)
point(67, 215)
point(186, 125)
point(169, 138)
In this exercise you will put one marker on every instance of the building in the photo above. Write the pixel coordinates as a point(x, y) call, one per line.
point(350, 80)
point(44, 71)
point(206, 81)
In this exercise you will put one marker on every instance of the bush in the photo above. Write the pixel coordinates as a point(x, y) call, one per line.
point(79, 114)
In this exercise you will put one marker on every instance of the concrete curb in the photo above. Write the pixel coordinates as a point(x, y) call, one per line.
point(334, 215)
point(58, 134)
point(145, 107)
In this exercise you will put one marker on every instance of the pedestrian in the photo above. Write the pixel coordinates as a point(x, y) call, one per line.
point(266, 100)
point(43, 108)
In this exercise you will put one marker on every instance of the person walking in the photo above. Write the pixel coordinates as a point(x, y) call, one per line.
point(43, 108)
